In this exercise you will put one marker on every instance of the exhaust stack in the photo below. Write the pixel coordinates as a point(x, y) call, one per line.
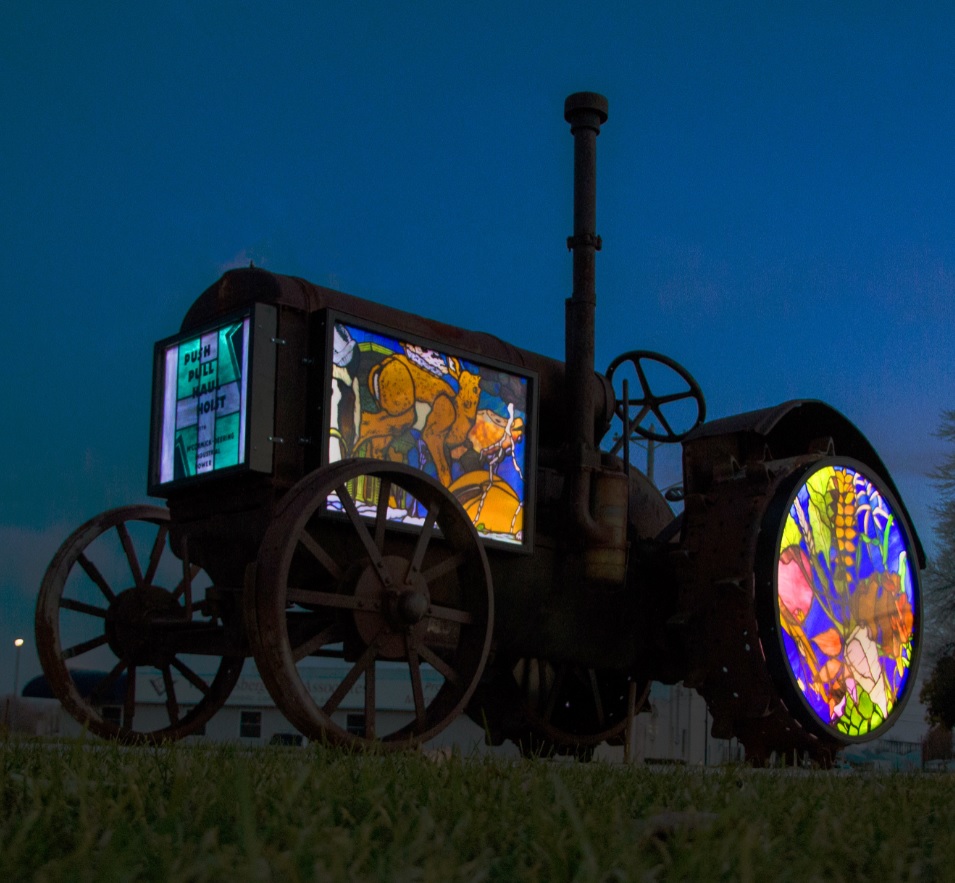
point(586, 112)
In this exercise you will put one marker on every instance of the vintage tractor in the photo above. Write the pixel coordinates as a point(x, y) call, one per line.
point(358, 497)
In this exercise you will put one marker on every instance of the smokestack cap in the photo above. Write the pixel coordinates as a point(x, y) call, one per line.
point(586, 109)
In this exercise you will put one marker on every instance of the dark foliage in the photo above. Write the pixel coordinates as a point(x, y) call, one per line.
point(939, 578)
point(938, 692)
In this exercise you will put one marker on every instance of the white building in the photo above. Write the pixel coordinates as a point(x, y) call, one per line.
point(676, 729)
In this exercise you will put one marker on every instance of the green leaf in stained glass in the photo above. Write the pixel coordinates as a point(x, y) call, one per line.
point(792, 535)
point(817, 486)
point(885, 540)
point(865, 704)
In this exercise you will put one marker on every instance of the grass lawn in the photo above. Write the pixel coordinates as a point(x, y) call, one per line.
point(92, 811)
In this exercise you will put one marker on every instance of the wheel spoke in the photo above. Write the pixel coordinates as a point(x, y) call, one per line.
point(427, 529)
point(417, 691)
point(98, 693)
point(443, 567)
point(322, 599)
point(636, 421)
point(364, 661)
point(631, 403)
point(535, 691)
point(303, 624)
point(80, 607)
point(329, 635)
point(156, 555)
point(92, 571)
point(191, 676)
point(381, 514)
point(354, 516)
point(85, 647)
point(595, 690)
point(186, 581)
point(129, 706)
point(438, 664)
point(187, 576)
point(644, 383)
point(663, 421)
point(172, 706)
point(673, 397)
point(450, 614)
point(320, 555)
point(554, 694)
point(526, 678)
point(130, 551)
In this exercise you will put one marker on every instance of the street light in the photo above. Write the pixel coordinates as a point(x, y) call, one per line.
point(17, 643)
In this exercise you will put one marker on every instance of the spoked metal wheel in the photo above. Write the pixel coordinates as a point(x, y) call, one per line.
point(570, 708)
point(121, 619)
point(372, 604)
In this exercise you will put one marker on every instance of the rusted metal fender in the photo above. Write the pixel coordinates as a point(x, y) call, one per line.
point(717, 449)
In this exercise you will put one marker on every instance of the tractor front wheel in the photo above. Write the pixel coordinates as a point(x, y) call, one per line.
point(372, 606)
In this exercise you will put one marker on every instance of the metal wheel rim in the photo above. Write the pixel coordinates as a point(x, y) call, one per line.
point(53, 656)
point(541, 706)
point(296, 528)
point(652, 404)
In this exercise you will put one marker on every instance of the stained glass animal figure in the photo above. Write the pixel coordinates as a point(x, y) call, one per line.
point(442, 405)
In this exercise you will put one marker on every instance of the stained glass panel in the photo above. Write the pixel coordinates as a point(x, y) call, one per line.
point(461, 422)
point(847, 600)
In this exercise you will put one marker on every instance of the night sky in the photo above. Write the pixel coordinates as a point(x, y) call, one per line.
point(776, 201)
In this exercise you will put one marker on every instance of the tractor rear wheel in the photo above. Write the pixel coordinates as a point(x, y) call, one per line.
point(116, 600)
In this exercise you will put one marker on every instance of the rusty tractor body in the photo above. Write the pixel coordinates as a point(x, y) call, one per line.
point(362, 493)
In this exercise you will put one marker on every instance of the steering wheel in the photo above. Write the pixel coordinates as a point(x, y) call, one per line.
point(648, 403)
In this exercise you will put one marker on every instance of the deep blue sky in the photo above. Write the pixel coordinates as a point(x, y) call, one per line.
point(777, 204)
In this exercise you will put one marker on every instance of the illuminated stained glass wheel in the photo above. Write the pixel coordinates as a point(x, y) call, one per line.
point(372, 607)
point(842, 618)
point(140, 624)
point(801, 606)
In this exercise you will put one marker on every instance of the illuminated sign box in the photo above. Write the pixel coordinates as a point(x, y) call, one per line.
point(463, 420)
point(213, 400)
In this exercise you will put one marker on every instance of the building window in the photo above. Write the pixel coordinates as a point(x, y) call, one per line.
point(355, 724)
point(250, 725)
point(112, 714)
